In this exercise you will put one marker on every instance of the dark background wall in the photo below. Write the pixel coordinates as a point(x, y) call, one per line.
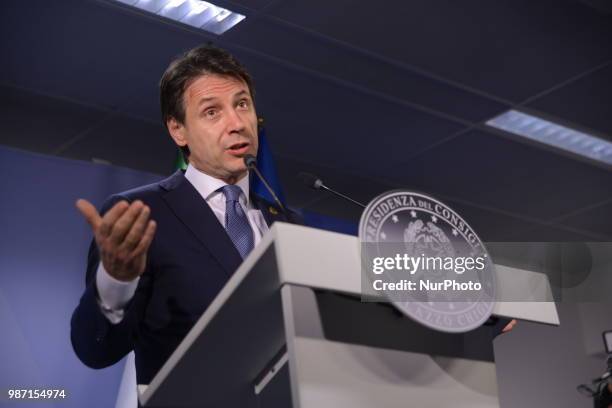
point(43, 253)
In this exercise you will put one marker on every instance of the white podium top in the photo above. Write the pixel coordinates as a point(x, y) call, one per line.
point(329, 260)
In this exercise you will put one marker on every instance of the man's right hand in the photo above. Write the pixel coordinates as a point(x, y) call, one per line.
point(123, 236)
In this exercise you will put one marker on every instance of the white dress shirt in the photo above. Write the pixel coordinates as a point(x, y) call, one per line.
point(114, 294)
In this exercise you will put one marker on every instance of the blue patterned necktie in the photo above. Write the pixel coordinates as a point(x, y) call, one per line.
point(236, 221)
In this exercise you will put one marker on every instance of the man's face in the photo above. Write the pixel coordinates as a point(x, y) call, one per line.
point(220, 126)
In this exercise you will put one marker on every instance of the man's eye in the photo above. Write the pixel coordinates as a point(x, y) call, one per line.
point(243, 103)
point(210, 113)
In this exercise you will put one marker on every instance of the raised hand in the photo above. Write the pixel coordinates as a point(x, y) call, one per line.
point(123, 236)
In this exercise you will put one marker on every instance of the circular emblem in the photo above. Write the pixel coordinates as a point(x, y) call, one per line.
point(425, 259)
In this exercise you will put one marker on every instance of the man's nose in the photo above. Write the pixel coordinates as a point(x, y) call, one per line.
point(236, 122)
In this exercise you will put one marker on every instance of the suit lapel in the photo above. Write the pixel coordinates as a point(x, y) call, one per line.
point(270, 212)
point(192, 210)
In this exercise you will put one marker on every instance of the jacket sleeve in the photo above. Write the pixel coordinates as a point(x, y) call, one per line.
point(497, 325)
point(96, 341)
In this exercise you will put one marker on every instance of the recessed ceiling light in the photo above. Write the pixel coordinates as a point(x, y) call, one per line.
point(196, 13)
point(555, 135)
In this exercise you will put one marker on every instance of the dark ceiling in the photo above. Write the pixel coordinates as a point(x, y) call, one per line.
point(370, 96)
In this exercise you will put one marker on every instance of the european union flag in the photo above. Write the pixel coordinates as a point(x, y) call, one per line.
point(265, 164)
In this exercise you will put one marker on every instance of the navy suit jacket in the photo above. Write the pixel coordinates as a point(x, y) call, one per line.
point(190, 259)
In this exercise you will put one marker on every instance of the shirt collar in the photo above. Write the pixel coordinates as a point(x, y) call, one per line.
point(208, 186)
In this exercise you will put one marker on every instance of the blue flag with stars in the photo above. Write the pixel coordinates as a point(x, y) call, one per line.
point(265, 164)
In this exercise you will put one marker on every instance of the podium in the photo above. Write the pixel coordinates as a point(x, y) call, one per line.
point(289, 329)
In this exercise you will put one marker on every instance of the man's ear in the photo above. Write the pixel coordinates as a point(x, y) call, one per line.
point(177, 131)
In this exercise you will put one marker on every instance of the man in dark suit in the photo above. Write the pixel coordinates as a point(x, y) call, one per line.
point(162, 252)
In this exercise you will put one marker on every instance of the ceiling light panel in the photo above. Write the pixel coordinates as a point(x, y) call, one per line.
point(195, 13)
point(549, 133)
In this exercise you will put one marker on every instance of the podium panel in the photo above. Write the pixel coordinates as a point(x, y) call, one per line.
point(376, 370)
point(289, 329)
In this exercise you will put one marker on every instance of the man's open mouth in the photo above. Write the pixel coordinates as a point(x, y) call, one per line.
point(239, 148)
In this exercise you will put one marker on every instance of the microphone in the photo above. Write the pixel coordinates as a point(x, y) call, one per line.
point(316, 183)
point(251, 163)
